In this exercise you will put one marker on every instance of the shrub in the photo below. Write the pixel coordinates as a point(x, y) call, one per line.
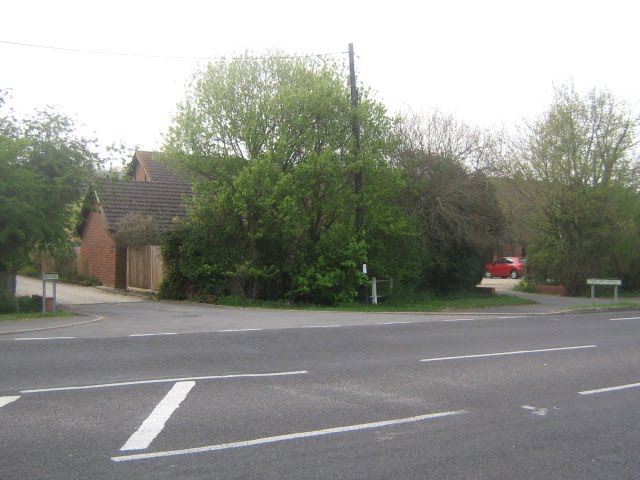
point(21, 304)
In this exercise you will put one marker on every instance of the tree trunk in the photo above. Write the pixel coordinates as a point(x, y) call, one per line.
point(7, 284)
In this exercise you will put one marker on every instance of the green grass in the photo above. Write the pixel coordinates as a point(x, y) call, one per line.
point(591, 306)
point(34, 315)
point(412, 303)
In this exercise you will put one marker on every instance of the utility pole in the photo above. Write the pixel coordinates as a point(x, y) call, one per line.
point(358, 170)
point(356, 134)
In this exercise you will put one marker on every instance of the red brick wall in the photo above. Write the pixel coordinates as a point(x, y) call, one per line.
point(98, 252)
point(141, 175)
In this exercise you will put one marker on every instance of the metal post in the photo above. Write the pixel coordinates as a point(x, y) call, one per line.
point(374, 291)
point(54, 295)
point(44, 297)
point(593, 292)
point(615, 294)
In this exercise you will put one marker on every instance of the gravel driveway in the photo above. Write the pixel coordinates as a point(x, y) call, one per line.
point(68, 294)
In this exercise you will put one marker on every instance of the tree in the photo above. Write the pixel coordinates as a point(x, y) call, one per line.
point(580, 167)
point(44, 172)
point(449, 199)
point(269, 143)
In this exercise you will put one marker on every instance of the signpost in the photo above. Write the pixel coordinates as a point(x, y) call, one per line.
point(49, 277)
point(604, 281)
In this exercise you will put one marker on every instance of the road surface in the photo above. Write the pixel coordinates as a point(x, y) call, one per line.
point(460, 396)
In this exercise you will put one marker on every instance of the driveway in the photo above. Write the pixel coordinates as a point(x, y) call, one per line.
point(502, 285)
point(68, 294)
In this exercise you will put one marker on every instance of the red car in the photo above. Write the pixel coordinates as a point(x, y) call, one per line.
point(506, 267)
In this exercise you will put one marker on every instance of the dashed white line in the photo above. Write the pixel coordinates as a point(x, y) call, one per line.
point(321, 326)
point(154, 424)
point(459, 319)
point(165, 380)
point(241, 330)
point(25, 339)
point(622, 319)
point(500, 354)
point(283, 438)
point(610, 389)
point(394, 323)
point(151, 334)
point(7, 400)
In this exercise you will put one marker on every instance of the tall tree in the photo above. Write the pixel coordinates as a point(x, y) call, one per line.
point(270, 144)
point(449, 199)
point(45, 169)
point(580, 167)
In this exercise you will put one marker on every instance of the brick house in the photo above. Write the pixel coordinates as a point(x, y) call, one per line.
point(154, 191)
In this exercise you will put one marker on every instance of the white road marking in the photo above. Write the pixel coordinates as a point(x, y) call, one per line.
point(460, 320)
point(165, 380)
point(500, 354)
point(536, 410)
point(621, 319)
point(283, 438)
point(25, 339)
point(241, 330)
point(151, 334)
point(154, 424)
point(610, 389)
point(7, 400)
point(513, 316)
point(394, 323)
point(321, 326)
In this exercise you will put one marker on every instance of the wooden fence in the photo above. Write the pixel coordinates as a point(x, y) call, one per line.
point(144, 267)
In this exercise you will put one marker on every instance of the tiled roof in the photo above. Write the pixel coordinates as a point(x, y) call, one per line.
point(156, 171)
point(164, 202)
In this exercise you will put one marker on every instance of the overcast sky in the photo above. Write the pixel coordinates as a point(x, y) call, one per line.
point(490, 62)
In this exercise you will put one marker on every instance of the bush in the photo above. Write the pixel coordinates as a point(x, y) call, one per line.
point(526, 285)
point(21, 304)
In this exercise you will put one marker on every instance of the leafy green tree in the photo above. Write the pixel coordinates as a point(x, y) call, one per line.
point(580, 167)
point(44, 172)
point(270, 145)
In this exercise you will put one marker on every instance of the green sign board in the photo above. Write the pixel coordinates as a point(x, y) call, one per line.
point(50, 276)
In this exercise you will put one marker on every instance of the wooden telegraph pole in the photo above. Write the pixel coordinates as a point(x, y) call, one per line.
point(356, 134)
point(358, 170)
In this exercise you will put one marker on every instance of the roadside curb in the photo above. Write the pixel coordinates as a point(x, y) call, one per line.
point(599, 310)
point(53, 327)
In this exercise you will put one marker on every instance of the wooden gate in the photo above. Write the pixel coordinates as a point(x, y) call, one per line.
point(144, 267)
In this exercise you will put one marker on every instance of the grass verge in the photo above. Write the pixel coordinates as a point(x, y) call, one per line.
point(413, 303)
point(592, 306)
point(34, 315)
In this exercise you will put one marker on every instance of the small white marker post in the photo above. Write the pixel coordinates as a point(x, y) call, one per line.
point(48, 277)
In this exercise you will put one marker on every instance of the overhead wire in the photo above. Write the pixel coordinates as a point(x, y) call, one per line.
point(164, 57)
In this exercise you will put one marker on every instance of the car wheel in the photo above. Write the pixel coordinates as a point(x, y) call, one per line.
point(514, 274)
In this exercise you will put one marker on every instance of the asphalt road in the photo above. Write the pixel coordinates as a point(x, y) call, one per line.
point(460, 396)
